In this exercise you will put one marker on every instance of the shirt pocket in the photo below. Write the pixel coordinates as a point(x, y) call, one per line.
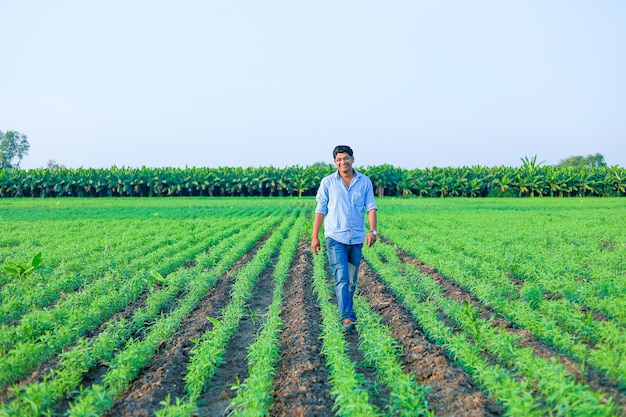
point(358, 199)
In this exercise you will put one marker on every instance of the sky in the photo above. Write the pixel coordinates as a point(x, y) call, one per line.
point(414, 84)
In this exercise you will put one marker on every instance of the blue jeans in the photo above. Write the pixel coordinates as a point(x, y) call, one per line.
point(344, 261)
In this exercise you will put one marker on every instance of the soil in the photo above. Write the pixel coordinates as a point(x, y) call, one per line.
point(301, 384)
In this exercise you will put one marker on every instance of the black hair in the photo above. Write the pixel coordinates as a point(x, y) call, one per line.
point(342, 149)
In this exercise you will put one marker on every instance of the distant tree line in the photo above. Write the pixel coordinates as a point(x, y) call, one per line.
point(573, 176)
point(596, 160)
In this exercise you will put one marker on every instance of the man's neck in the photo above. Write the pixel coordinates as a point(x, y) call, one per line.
point(347, 177)
point(348, 174)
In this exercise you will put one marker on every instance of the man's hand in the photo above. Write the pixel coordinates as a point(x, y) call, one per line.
point(317, 226)
point(370, 239)
point(315, 245)
point(372, 217)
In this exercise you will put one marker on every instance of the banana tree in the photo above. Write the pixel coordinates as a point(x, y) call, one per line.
point(589, 182)
point(271, 176)
point(404, 185)
point(418, 182)
point(302, 180)
point(384, 179)
point(616, 177)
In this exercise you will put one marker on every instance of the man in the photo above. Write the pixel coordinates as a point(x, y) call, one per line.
point(343, 198)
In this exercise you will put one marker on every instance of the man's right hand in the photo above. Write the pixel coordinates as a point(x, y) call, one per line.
point(315, 239)
point(315, 245)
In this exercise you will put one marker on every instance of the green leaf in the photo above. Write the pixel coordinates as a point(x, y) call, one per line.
point(213, 321)
point(13, 270)
point(158, 277)
point(36, 260)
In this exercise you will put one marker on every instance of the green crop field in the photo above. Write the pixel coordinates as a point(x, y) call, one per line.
point(216, 306)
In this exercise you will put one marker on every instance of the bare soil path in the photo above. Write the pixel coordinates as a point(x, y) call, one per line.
point(301, 383)
point(453, 392)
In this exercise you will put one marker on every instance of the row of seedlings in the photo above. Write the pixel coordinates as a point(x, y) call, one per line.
point(558, 321)
point(381, 352)
point(145, 247)
point(545, 384)
point(40, 396)
point(407, 397)
point(350, 396)
point(124, 367)
point(43, 333)
point(207, 354)
point(254, 395)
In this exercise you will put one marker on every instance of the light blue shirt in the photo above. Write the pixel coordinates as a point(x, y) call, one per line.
point(344, 208)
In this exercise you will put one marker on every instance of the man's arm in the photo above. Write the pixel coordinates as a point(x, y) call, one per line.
point(317, 226)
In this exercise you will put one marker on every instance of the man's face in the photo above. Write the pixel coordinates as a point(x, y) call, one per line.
point(343, 161)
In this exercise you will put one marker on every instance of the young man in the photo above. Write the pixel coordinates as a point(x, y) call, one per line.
point(343, 198)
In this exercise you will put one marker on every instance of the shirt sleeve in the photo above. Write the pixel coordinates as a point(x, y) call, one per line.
point(370, 204)
point(322, 198)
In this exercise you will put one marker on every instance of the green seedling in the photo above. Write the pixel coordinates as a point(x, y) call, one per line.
point(237, 384)
point(215, 322)
point(156, 278)
point(533, 296)
point(472, 314)
point(21, 270)
point(256, 317)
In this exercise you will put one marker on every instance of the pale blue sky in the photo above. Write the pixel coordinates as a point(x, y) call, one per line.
point(414, 84)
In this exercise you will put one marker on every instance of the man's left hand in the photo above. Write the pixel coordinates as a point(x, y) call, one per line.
point(370, 239)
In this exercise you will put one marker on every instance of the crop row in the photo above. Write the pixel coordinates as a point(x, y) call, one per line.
point(86, 308)
point(42, 288)
point(187, 284)
point(254, 393)
point(208, 351)
point(477, 262)
point(527, 384)
point(381, 352)
point(84, 250)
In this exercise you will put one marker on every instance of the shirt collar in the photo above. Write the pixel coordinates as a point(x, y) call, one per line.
point(356, 174)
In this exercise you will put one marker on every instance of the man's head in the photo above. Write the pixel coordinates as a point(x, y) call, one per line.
point(343, 157)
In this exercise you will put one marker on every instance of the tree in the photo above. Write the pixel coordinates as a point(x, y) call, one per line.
point(596, 160)
point(13, 145)
point(52, 164)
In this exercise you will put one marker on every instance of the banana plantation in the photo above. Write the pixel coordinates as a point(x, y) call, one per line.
point(530, 180)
